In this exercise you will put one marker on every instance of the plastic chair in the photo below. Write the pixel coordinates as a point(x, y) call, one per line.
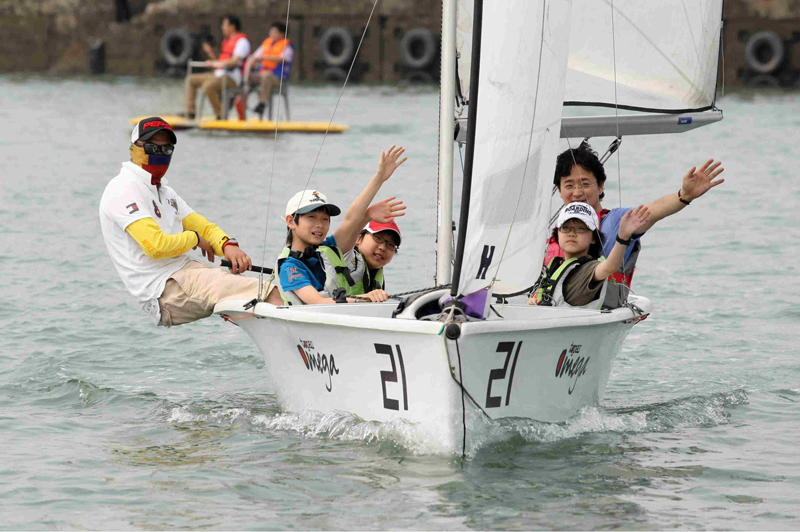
point(285, 92)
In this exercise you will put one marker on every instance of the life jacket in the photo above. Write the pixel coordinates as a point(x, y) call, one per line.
point(360, 273)
point(337, 274)
point(551, 285)
point(229, 45)
point(281, 69)
point(622, 276)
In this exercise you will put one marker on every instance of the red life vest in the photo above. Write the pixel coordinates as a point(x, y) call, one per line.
point(554, 250)
point(229, 45)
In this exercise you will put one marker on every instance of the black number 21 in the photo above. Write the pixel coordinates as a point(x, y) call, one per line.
point(391, 376)
point(493, 401)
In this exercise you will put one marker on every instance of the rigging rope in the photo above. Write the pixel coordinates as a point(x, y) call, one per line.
point(417, 291)
point(274, 150)
point(322, 143)
point(623, 291)
point(346, 79)
point(530, 144)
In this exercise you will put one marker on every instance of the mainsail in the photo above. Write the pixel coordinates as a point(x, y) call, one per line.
point(648, 56)
point(521, 89)
point(655, 57)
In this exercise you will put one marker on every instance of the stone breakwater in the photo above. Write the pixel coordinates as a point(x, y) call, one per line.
point(761, 38)
point(64, 36)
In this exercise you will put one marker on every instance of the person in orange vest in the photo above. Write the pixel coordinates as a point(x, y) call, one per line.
point(233, 52)
point(276, 55)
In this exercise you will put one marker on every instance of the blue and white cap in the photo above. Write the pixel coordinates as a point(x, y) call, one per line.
point(581, 211)
point(310, 200)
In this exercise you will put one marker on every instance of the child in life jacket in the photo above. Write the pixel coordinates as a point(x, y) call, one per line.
point(374, 249)
point(311, 268)
point(580, 278)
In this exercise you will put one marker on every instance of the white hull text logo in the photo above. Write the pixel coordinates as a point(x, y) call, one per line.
point(324, 364)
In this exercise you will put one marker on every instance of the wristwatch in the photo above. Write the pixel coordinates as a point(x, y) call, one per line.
point(226, 240)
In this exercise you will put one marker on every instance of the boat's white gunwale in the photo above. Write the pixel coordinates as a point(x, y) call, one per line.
point(235, 308)
point(580, 318)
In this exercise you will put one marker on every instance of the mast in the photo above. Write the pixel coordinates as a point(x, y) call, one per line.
point(444, 208)
point(477, 23)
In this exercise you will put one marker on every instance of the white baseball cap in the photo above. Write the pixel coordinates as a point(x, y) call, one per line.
point(309, 200)
point(581, 211)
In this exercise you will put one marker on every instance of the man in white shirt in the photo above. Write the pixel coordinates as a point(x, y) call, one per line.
point(149, 230)
point(234, 50)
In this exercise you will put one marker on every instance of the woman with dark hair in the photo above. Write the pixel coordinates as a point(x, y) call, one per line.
point(580, 278)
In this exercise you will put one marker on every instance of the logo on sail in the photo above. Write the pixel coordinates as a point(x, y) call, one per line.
point(570, 365)
point(324, 364)
point(486, 261)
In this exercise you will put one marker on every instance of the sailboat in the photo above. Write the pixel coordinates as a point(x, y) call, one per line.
point(410, 360)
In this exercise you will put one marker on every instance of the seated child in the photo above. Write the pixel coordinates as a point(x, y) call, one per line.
point(374, 249)
point(311, 268)
point(580, 278)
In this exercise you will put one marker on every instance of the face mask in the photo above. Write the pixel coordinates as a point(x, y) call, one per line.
point(155, 165)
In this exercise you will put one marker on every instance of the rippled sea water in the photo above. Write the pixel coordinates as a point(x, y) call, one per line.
point(107, 422)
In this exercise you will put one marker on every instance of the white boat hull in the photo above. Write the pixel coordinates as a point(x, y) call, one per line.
point(539, 363)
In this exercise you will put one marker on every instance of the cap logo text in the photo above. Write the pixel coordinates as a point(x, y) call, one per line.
point(156, 123)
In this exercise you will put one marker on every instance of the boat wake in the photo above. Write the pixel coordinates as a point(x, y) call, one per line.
point(345, 426)
point(694, 411)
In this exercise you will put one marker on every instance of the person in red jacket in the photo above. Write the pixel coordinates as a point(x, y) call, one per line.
point(233, 52)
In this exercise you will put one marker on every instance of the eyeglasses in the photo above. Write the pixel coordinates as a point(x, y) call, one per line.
point(577, 229)
point(384, 241)
point(585, 184)
point(156, 149)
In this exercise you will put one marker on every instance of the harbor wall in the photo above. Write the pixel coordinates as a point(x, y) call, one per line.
point(72, 36)
point(127, 37)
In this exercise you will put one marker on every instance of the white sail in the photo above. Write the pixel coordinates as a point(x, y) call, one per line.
point(666, 52)
point(520, 97)
point(464, 44)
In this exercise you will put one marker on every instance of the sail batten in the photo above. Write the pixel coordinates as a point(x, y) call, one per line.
point(653, 56)
point(662, 57)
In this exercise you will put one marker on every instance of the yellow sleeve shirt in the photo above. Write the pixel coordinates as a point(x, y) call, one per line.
point(160, 245)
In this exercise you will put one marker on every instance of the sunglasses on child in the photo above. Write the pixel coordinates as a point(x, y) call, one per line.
point(156, 149)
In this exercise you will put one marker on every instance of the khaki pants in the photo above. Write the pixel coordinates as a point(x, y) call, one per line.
point(192, 292)
point(212, 85)
point(267, 81)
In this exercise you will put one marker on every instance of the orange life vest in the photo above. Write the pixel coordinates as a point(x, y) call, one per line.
point(229, 45)
point(273, 49)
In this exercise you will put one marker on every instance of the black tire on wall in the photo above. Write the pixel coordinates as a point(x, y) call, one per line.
point(177, 46)
point(334, 75)
point(764, 52)
point(418, 48)
point(763, 81)
point(418, 77)
point(337, 46)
